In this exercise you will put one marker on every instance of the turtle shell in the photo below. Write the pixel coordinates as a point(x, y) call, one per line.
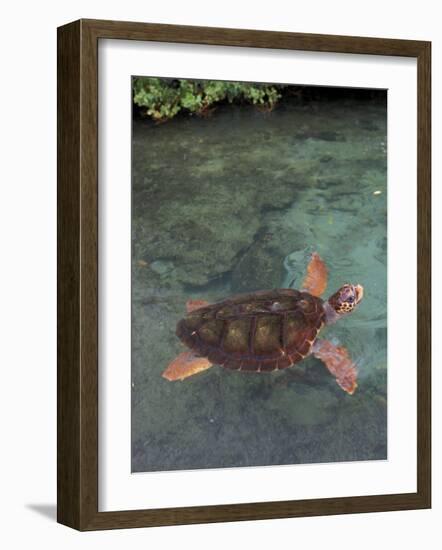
point(261, 331)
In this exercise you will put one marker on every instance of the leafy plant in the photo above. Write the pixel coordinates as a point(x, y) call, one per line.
point(162, 99)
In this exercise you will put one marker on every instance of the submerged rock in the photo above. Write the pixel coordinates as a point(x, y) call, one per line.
point(201, 231)
point(259, 268)
point(162, 267)
point(262, 265)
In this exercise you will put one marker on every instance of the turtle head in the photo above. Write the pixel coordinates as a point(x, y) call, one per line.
point(343, 301)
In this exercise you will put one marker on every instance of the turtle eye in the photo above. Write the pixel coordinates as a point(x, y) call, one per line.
point(350, 299)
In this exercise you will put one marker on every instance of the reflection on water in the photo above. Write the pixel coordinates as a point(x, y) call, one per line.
point(236, 203)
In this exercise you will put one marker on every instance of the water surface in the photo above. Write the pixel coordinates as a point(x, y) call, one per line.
point(236, 203)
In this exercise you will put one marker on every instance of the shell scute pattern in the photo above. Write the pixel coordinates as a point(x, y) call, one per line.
point(260, 332)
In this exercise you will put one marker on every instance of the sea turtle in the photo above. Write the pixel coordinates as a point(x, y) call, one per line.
point(268, 330)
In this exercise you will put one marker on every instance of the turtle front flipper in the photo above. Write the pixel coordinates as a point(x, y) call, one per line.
point(186, 364)
point(338, 362)
point(315, 281)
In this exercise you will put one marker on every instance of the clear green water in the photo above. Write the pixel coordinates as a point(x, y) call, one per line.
point(235, 203)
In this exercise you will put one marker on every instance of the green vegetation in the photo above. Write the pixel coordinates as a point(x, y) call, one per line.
point(162, 99)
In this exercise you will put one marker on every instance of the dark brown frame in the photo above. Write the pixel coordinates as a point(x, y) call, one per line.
point(78, 268)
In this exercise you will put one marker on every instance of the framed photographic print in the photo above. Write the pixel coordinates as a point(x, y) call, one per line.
point(243, 274)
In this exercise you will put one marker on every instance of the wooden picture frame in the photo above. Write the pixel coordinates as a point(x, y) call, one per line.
point(78, 274)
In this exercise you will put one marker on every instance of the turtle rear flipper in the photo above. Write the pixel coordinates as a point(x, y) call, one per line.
point(193, 305)
point(186, 364)
point(338, 362)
